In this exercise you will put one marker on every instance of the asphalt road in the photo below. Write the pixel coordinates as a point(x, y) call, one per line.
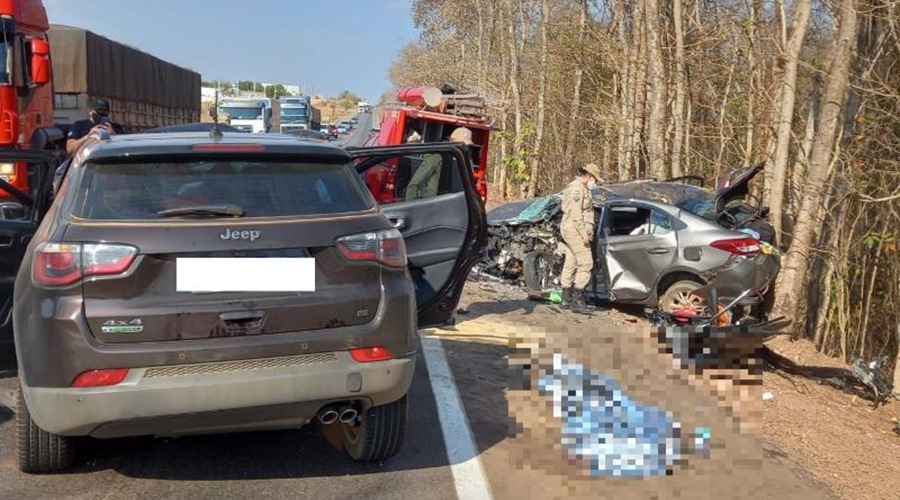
point(285, 464)
point(358, 135)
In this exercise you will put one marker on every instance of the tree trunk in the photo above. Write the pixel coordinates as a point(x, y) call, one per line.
point(723, 137)
point(775, 111)
point(897, 359)
point(576, 93)
point(626, 89)
point(750, 139)
point(541, 102)
point(482, 72)
point(798, 174)
point(502, 179)
point(777, 163)
point(680, 90)
point(795, 265)
point(686, 152)
point(512, 16)
point(639, 89)
point(656, 129)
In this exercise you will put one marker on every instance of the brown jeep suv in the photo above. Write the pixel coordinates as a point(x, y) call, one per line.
point(184, 284)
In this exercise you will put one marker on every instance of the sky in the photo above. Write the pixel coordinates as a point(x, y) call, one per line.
point(326, 46)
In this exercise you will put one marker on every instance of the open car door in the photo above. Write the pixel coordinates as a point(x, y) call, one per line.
point(636, 244)
point(435, 205)
point(20, 215)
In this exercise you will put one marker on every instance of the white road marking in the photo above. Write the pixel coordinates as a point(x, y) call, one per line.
point(465, 464)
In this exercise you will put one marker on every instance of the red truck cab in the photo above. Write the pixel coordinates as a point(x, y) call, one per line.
point(26, 94)
point(432, 115)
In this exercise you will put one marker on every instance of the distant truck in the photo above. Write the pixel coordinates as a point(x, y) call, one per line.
point(432, 115)
point(363, 107)
point(250, 114)
point(298, 113)
point(143, 91)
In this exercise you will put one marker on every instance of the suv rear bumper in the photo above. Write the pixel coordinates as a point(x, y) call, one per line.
point(272, 393)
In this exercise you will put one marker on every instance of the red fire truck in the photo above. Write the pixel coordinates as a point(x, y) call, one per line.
point(432, 114)
point(26, 98)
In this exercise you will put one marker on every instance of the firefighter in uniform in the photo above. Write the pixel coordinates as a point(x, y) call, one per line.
point(577, 230)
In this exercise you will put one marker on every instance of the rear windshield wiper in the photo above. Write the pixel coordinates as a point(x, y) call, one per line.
point(203, 211)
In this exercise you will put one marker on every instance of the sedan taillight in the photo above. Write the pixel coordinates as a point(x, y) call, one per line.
point(386, 247)
point(61, 264)
point(738, 246)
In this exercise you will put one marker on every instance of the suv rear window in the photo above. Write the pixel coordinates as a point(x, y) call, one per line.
point(138, 191)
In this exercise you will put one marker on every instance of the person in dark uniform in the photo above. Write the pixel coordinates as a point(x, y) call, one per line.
point(98, 119)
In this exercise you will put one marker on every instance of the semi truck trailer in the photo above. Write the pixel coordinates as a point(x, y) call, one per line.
point(143, 91)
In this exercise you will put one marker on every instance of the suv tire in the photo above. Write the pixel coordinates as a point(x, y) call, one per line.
point(379, 434)
point(36, 449)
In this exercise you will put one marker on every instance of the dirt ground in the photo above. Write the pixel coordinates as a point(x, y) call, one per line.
point(808, 441)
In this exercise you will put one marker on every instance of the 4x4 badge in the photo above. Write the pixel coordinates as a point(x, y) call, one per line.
point(115, 326)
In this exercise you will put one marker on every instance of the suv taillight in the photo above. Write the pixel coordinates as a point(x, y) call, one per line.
point(738, 246)
point(386, 247)
point(61, 264)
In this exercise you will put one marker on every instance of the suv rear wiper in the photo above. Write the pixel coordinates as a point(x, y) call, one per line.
point(203, 210)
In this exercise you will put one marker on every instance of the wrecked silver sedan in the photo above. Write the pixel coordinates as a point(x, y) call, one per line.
point(656, 244)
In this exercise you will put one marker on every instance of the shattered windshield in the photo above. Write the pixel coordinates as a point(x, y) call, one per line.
point(524, 211)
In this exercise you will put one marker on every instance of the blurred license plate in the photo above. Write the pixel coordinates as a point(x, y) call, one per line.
point(208, 275)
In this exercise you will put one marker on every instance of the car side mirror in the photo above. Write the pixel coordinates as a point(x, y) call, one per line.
point(40, 62)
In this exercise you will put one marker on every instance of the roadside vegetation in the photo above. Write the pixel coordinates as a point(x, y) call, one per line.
point(665, 88)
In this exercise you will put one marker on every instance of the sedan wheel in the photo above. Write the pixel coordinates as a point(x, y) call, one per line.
point(680, 295)
point(538, 271)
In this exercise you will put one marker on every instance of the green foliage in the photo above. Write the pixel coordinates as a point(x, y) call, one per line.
point(873, 239)
point(276, 91)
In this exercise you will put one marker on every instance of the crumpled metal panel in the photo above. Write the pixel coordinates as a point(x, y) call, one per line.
point(621, 281)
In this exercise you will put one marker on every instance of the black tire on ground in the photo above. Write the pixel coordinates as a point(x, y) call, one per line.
point(537, 270)
point(677, 296)
point(38, 450)
point(379, 434)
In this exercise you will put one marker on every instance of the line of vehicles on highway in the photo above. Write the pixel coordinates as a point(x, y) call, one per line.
point(291, 115)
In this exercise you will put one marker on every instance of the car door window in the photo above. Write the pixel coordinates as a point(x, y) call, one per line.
point(638, 221)
point(411, 177)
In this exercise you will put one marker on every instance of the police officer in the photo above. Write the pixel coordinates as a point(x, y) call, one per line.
point(577, 230)
point(98, 118)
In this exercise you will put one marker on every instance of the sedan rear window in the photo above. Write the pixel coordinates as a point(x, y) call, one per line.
point(704, 207)
point(141, 191)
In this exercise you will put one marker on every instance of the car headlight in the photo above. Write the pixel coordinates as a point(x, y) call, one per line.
point(7, 169)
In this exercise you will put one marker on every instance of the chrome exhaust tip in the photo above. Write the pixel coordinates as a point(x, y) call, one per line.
point(348, 415)
point(328, 417)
